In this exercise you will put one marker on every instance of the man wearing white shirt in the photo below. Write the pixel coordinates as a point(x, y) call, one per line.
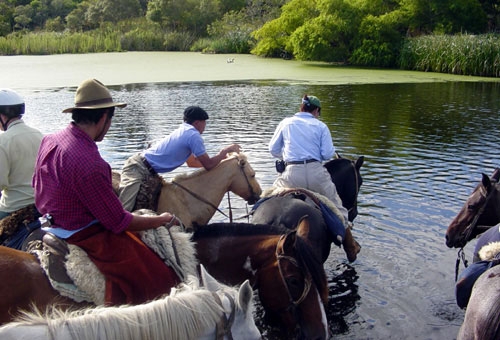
point(304, 142)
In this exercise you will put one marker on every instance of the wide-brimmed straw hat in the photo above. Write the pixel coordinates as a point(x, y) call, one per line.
point(92, 94)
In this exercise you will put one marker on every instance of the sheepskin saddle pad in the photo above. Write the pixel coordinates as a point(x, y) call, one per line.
point(72, 273)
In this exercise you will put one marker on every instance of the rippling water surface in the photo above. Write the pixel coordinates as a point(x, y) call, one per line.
point(425, 147)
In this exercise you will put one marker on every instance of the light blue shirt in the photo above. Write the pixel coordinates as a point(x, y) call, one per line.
point(174, 150)
point(302, 137)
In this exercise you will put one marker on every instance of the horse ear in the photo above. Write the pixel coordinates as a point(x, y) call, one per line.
point(486, 181)
point(360, 162)
point(303, 227)
point(245, 295)
point(496, 175)
point(209, 282)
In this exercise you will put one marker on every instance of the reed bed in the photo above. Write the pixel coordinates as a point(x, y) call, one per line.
point(42, 43)
point(463, 54)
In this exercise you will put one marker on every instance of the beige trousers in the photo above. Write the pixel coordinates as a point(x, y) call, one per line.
point(312, 176)
point(133, 173)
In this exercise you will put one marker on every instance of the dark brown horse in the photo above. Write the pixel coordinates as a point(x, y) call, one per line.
point(480, 212)
point(290, 280)
point(346, 176)
point(287, 210)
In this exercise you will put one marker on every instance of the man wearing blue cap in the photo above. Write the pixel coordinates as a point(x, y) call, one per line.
point(183, 145)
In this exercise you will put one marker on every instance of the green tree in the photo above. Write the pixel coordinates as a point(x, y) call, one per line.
point(23, 16)
point(272, 37)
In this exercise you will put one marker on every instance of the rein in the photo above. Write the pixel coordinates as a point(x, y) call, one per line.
point(307, 282)
point(198, 197)
point(223, 327)
point(468, 232)
point(357, 186)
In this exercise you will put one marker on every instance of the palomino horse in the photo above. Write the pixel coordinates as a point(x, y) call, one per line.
point(480, 211)
point(194, 197)
point(287, 210)
point(214, 312)
point(290, 280)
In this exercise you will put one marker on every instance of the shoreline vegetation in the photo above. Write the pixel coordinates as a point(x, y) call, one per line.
point(462, 54)
point(445, 36)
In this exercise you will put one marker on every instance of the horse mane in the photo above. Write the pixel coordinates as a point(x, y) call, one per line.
point(236, 229)
point(196, 173)
point(184, 314)
point(307, 259)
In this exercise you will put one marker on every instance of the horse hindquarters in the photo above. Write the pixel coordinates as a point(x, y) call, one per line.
point(482, 318)
point(23, 283)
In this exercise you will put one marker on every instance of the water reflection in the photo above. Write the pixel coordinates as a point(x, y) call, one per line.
point(425, 146)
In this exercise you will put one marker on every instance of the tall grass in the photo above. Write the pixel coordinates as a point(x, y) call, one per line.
point(464, 54)
point(57, 43)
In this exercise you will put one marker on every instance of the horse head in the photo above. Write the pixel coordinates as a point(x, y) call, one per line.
point(238, 322)
point(303, 281)
point(244, 183)
point(346, 176)
point(482, 208)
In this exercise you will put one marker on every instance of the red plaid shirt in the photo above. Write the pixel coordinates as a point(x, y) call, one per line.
point(73, 183)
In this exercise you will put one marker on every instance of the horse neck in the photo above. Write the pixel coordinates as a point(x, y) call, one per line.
point(188, 200)
point(254, 251)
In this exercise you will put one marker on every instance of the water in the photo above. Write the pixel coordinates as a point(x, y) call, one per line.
point(425, 146)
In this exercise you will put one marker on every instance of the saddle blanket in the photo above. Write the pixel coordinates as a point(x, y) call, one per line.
point(172, 245)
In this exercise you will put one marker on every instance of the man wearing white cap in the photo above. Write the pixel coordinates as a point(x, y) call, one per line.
point(18, 149)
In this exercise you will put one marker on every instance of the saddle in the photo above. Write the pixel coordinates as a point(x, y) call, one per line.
point(149, 193)
point(55, 250)
point(72, 273)
point(332, 216)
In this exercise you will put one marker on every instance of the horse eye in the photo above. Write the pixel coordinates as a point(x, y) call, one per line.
point(293, 283)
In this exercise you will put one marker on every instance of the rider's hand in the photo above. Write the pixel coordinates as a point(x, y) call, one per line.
point(232, 148)
point(169, 219)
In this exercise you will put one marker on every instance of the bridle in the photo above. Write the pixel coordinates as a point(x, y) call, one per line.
point(307, 281)
point(223, 326)
point(468, 232)
point(198, 197)
point(353, 166)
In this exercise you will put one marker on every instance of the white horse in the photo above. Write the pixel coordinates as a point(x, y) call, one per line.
point(213, 312)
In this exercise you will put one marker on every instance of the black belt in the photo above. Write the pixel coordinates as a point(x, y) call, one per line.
point(148, 166)
point(302, 162)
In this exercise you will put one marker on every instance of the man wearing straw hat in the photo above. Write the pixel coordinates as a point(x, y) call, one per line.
point(73, 189)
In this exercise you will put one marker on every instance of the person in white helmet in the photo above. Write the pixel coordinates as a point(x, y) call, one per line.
point(19, 145)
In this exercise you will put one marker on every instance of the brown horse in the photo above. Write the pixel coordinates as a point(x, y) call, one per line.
point(194, 197)
point(480, 212)
point(290, 281)
point(24, 284)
